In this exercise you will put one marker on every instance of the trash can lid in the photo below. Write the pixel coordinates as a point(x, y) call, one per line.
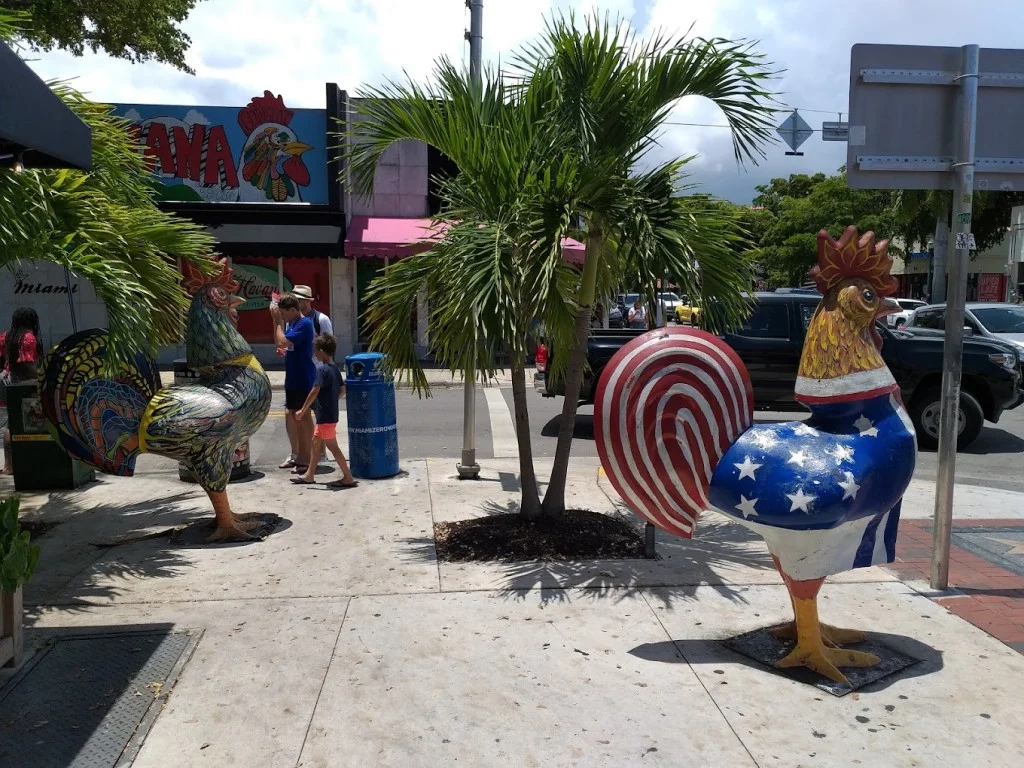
point(365, 366)
point(366, 358)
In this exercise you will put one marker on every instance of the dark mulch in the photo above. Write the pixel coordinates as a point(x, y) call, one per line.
point(578, 535)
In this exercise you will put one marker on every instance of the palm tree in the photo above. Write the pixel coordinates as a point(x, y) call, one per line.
point(497, 264)
point(610, 94)
point(105, 227)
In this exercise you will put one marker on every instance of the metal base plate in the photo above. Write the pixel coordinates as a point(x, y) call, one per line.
point(763, 647)
point(88, 701)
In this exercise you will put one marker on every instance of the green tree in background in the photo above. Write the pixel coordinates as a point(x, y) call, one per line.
point(795, 209)
point(136, 30)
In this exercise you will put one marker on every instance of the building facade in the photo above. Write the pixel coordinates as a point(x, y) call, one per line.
point(269, 183)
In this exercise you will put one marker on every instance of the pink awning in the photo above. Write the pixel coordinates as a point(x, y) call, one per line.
point(377, 237)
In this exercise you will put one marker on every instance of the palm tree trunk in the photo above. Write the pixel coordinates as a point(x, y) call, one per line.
point(554, 497)
point(530, 505)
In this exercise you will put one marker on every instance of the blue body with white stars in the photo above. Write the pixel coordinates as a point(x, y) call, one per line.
point(824, 493)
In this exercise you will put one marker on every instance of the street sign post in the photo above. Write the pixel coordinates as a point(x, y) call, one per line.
point(924, 117)
point(836, 131)
point(794, 131)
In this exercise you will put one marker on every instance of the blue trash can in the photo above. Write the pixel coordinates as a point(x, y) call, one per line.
point(372, 428)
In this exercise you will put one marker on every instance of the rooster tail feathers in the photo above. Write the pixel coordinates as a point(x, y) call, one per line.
point(668, 406)
point(94, 418)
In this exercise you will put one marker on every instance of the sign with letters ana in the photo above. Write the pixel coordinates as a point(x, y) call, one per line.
point(264, 152)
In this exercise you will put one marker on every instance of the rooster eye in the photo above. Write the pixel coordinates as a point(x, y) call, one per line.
point(868, 294)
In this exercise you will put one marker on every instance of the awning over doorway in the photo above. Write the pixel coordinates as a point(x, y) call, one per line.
point(36, 127)
point(373, 236)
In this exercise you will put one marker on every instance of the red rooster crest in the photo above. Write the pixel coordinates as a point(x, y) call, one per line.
point(224, 280)
point(267, 108)
point(853, 257)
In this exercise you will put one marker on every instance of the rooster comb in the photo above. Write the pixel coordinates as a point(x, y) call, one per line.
point(853, 256)
point(196, 280)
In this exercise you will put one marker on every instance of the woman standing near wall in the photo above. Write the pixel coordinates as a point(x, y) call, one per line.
point(20, 354)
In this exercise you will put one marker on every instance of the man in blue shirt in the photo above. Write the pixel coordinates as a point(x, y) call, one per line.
point(299, 370)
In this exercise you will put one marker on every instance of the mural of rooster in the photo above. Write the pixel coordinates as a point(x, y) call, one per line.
point(107, 422)
point(675, 432)
point(272, 163)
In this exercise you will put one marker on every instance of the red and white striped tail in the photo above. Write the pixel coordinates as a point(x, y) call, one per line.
point(668, 406)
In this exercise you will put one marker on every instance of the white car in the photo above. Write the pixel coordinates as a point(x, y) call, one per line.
point(907, 307)
point(999, 321)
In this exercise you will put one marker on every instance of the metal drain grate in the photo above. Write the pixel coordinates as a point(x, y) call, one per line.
point(88, 701)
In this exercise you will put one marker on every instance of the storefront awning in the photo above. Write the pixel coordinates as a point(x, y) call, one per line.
point(373, 236)
point(36, 127)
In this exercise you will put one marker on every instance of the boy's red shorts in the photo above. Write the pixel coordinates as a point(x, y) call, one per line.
point(326, 431)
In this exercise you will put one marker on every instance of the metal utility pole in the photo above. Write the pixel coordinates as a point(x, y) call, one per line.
point(468, 468)
point(938, 284)
point(949, 422)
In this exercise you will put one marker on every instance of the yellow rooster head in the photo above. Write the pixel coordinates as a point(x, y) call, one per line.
point(853, 275)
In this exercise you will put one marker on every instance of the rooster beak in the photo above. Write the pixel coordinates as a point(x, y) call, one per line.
point(887, 307)
point(296, 148)
point(236, 301)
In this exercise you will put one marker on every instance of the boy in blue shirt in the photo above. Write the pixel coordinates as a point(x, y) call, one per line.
point(326, 391)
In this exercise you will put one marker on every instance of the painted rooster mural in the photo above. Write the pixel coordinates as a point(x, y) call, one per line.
point(108, 422)
point(675, 432)
point(271, 164)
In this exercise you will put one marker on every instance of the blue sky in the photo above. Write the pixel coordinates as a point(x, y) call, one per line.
point(292, 47)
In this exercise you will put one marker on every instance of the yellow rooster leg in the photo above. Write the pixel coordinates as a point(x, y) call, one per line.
point(810, 650)
point(833, 637)
point(229, 528)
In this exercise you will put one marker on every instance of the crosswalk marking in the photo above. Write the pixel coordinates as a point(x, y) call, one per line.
point(503, 431)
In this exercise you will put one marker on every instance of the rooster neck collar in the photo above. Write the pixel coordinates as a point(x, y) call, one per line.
point(862, 385)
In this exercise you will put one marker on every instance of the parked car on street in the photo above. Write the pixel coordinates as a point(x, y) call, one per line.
point(669, 302)
point(686, 312)
point(1004, 322)
point(771, 341)
point(907, 307)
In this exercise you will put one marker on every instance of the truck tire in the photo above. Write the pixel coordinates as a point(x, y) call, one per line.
point(924, 412)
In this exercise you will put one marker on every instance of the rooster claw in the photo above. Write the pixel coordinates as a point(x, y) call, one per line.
point(236, 533)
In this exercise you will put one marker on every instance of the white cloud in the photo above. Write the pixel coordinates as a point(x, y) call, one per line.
point(195, 117)
point(292, 47)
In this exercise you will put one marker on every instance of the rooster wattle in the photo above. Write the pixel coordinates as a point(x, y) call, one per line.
point(675, 432)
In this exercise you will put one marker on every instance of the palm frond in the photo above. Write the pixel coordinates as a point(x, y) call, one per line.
point(105, 227)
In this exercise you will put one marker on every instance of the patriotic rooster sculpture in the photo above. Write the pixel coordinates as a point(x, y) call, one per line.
point(675, 432)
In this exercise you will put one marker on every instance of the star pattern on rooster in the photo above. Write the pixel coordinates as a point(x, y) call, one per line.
point(797, 457)
point(747, 468)
point(764, 440)
point(800, 500)
point(866, 427)
point(746, 506)
point(805, 430)
point(849, 486)
point(842, 453)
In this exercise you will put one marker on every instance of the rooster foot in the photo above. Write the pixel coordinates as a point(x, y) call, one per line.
point(833, 637)
point(826, 661)
point(235, 531)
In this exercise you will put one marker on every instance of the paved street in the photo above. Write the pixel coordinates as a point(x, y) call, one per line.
point(432, 428)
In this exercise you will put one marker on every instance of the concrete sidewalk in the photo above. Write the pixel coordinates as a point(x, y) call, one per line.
point(342, 641)
point(437, 378)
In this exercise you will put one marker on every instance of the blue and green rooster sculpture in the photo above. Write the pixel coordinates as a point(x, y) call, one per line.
point(107, 422)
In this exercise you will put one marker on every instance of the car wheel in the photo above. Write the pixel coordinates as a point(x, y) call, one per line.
point(924, 412)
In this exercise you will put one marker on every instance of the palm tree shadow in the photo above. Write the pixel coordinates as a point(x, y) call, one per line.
point(81, 562)
point(719, 549)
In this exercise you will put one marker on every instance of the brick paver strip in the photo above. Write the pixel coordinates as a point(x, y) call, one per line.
point(993, 595)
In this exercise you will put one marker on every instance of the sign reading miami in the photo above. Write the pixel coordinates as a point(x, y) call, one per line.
point(263, 152)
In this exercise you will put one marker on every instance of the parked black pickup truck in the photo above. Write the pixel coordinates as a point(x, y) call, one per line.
point(771, 340)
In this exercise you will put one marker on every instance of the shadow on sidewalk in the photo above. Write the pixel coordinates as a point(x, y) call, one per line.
point(714, 652)
point(90, 549)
